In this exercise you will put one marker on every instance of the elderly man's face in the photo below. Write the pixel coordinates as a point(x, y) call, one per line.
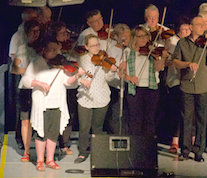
point(152, 18)
point(96, 22)
point(198, 26)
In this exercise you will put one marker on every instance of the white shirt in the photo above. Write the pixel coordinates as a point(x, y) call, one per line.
point(18, 38)
point(143, 81)
point(103, 43)
point(26, 54)
point(98, 95)
point(173, 74)
point(116, 53)
point(56, 98)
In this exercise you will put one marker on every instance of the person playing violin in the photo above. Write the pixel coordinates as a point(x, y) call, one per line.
point(49, 113)
point(188, 58)
point(122, 36)
point(95, 23)
point(93, 96)
point(152, 25)
point(152, 18)
point(141, 92)
point(174, 93)
point(59, 31)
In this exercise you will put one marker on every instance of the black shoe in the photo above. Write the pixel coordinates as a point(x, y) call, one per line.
point(199, 159)
point(79, 160)
point(183, 158)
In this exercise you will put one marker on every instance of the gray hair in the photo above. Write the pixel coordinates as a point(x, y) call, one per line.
point(120, 28)
point(151, 7)
point(203, 8)
point(28, 14)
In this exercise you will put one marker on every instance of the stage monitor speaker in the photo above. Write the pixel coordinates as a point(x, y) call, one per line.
point(53, 3)
point(123, 156)
point(27, 3)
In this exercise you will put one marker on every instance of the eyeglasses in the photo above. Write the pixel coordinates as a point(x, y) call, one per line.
point(34, 31)
point(184, 29)
point(143, 36)
point(96, 21)
point(199, 24)
point(94, 46)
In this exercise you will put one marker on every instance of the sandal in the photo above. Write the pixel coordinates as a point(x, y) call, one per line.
point(173, 148)
point(52, 164)
point(68, 151)
point(40, 166)
point(25, 158)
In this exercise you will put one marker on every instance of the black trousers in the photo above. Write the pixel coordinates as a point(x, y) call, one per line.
point(93, 119)
point(194, 103)
point(142, 109)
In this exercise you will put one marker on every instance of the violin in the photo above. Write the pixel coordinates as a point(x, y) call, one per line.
point(156, 52)
point(80, 50)
point(201, 41)
point(70, 66)
point(102, 59)
point(164, 35)
point(66, 46)
point(103, 32)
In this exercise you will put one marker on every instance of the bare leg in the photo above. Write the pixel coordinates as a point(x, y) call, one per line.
point(175, 140)
point(26, 135)
point(40, 149)
point(193, 140)
point(50, 148)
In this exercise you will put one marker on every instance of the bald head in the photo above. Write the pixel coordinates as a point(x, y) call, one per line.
point(44, 14)
point(197, 26)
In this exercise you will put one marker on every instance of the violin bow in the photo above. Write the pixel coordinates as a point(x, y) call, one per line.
point(60, 12)
point(55, 77)
point(110, 24)
point(156, 38)
point(199, 61)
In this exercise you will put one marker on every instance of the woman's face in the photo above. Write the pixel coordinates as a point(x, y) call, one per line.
point(62, 35)
point(125, 36)
point(141, 38)
point(33, 34)
point(184, 30)
point(51, 51)
point(93, 46)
